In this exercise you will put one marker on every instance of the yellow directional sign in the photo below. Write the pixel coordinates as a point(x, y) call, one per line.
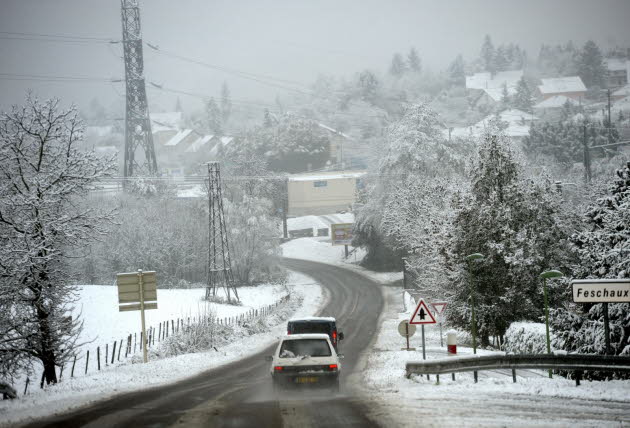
point(137, 291)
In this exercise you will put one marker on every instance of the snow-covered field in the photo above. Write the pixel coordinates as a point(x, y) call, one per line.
point(102, 323)
point(307, 298)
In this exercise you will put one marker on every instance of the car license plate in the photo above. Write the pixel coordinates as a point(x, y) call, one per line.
point(306, 379)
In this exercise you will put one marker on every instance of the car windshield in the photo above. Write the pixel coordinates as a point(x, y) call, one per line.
point(305, 347)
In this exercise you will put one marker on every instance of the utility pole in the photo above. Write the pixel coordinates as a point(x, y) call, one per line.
point(219, 263)
point(587, 156)
point(137, 122)
point(285, 208)
point(609, 119)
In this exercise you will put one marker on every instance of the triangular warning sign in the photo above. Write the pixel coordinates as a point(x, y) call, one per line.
point(439, 307)
point(422, 314)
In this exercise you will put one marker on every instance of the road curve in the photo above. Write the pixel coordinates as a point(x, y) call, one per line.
point(240, 394)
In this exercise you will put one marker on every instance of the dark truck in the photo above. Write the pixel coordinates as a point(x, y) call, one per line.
point(325, 325)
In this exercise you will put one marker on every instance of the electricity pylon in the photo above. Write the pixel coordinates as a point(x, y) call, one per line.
point(219, 264)
point(137, 122)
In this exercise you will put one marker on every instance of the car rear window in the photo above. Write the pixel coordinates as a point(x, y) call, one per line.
point(305, 347)
point(310, 327)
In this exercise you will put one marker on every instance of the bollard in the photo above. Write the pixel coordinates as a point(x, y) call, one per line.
point(451, 342)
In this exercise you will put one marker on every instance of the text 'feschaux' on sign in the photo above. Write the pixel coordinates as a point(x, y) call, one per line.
point(601, 290)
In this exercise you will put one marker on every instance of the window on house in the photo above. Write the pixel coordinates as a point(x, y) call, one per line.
point(321, 183)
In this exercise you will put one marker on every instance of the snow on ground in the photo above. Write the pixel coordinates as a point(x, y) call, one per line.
point(318, 221)
point(103, 323)
point(534, 400)
point(307, 298)
point(320, 249)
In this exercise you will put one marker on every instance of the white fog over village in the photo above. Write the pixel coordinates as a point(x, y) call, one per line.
point(274, 213)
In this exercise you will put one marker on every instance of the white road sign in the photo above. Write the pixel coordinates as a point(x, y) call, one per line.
point(601, 290)
point(405, 329)
point(439, 307)
point(422, 314)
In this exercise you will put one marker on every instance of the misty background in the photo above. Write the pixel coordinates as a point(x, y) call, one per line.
point(287, 40)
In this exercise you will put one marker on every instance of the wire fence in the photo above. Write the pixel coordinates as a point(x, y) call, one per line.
point(118, 352)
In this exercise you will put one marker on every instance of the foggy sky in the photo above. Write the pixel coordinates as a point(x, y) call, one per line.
point(287, 39)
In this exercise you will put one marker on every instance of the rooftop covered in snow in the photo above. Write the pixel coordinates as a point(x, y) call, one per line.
point(559, 85)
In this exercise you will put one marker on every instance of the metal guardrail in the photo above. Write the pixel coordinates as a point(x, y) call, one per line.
point(577, 362)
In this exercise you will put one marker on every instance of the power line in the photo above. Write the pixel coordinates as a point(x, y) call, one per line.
point(62, 36)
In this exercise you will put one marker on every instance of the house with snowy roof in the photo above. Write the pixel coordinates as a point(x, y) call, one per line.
point(570, 87)
point(338, 140)
point(487, 88)
point(618, 70)
point(516, 124)
point(620, 93)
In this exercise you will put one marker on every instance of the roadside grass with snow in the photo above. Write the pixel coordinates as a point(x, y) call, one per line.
point(307, 298)
point(102, 323)
point(535, 400)
point(393, 400)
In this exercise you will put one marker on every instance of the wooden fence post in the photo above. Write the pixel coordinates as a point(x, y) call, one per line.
point(73, 363)
point(87, 360)
point(114, 352)
point(119, 348)
point(98, 357)
point(61, 372)
point(26, 386)
point(159, 332)
point(106, 353)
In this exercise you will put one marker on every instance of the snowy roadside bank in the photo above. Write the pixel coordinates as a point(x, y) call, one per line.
point(534, 400)
point(320, 249)
point(73, 393)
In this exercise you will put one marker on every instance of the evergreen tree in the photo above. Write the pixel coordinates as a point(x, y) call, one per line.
point(590, 65)
point(398, 67)
point(603, 250)
point(505, 97)
point(368, 86)
point(500, 60)
point(178, 105)
point(226, 103)
point(267, 121)
point(456, 72)
point(515, 223)
point(487, 54)
point(413, 60)
point(213, 117)
point(523, 99)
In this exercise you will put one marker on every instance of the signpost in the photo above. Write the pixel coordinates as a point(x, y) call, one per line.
point(137, 291)
point(602, 291)
point(341, 234)
point(439, 307)
point(407, 330)
point(422, 315)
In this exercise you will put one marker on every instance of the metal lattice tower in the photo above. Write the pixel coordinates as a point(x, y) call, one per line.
point(219, 264)
point(137, 122)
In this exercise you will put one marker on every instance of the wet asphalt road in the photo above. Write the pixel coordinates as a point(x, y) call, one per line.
point(240, 394)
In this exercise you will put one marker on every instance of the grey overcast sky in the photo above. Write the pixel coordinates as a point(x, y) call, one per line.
point(287, 39)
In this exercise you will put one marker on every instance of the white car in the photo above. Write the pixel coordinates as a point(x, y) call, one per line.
point(305, 359)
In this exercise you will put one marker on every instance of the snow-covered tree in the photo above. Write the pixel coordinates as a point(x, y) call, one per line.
point(590, 65)
point(500, 60)
point(43, 178)
point(604, 252)
point(413, 60)
point(487, 54)
point(415, 150)
point(398, 66)
point(214, 122)
point(523, 99)
point(457, 72)
point(516, 223)
point(226, 103)
point(506, 101)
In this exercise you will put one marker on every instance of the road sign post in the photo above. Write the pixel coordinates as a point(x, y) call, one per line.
point(422, 315)
point(407, 330)
point(440, 307)
point(602, 291)
point(138, 291)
